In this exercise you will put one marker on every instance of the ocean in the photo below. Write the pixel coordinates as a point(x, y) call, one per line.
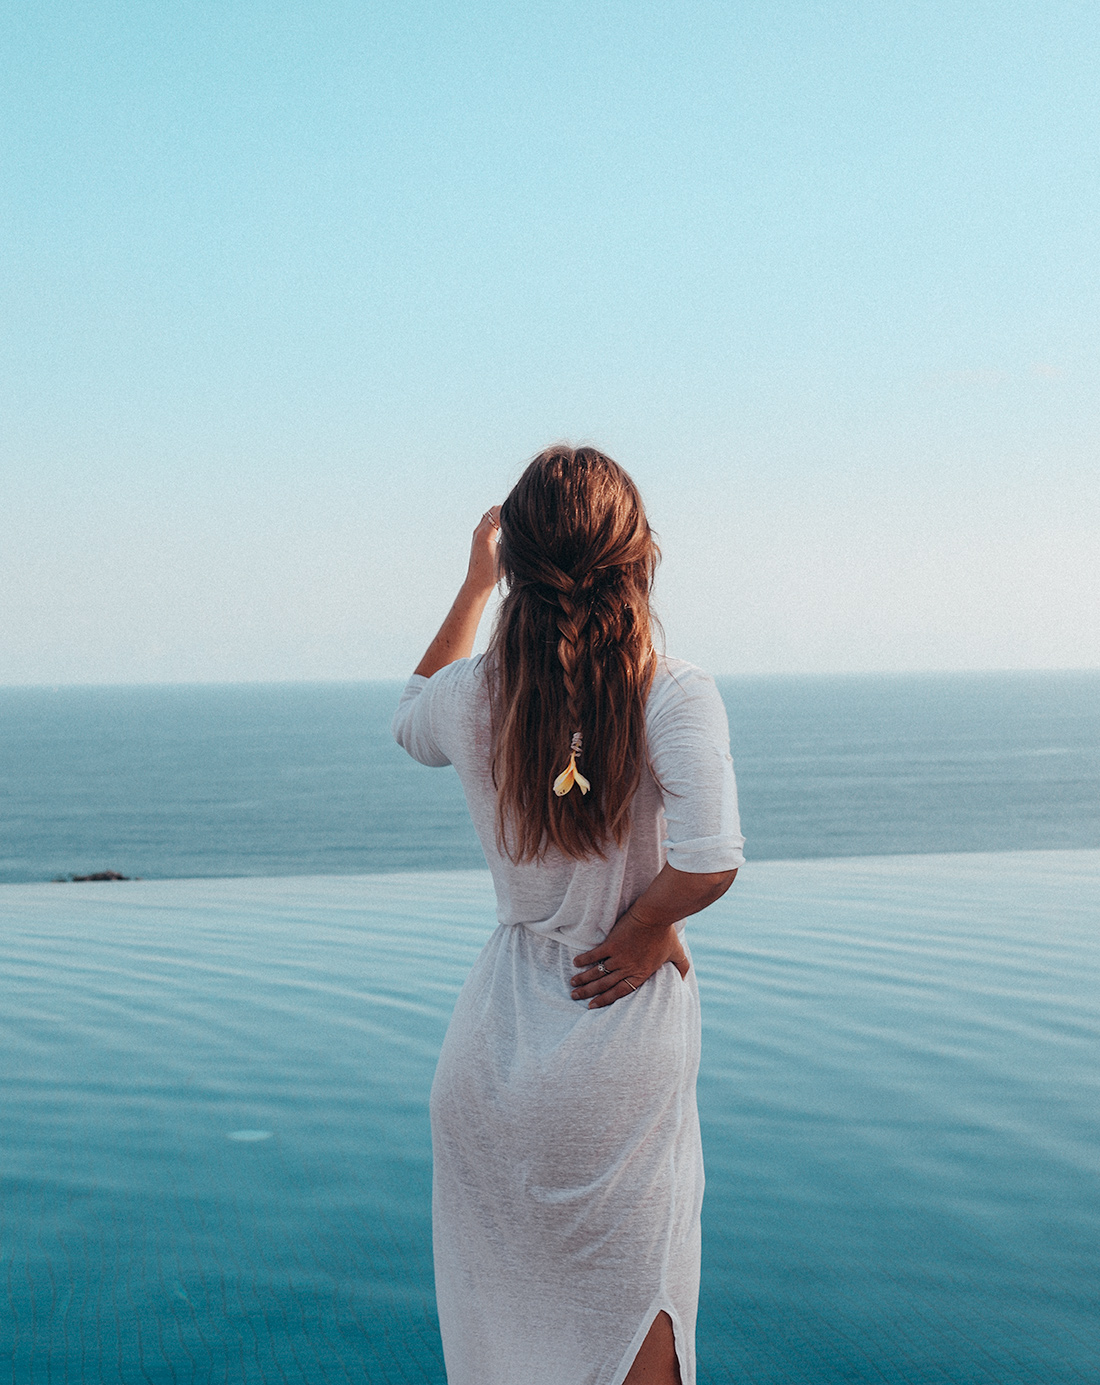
point(215, 1164)
point(298, 779)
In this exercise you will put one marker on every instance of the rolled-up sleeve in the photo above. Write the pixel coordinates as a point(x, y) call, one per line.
point(688, 736)
point(412, 723)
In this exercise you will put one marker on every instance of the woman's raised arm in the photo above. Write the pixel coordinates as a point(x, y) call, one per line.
point(456, 636)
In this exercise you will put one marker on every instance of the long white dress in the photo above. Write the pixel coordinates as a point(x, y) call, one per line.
point(568, 1172)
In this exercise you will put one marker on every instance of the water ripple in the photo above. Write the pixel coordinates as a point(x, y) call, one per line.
point(216, 1152)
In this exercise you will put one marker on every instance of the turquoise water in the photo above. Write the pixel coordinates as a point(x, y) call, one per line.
point(214, 1150)
point(295, 779)
point(215, 1154)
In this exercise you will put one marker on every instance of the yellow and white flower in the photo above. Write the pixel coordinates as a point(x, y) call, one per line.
point(569, 776)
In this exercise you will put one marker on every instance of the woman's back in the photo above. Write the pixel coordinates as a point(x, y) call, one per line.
point(447, 720)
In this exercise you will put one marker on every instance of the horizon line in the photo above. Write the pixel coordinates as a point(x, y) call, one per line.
point(398, 680)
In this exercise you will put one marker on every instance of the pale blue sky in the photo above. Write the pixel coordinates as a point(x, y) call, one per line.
point(290, 291)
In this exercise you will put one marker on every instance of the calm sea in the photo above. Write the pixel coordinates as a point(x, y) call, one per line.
point(294, 779)
point(215, 1163)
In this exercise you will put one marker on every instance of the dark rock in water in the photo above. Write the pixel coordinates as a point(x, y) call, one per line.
point(99, 875)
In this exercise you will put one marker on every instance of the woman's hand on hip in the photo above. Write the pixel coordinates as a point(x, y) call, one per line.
point(645, 937)
point(630, 954)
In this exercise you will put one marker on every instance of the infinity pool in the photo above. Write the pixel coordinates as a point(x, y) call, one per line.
point(215, 1148)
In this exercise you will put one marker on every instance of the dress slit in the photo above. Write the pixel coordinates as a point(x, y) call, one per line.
point(661, 1305)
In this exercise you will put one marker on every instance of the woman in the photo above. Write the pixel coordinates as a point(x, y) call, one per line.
point(567, 1167)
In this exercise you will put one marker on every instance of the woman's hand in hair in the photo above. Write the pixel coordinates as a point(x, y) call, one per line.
point(456, 636)
point(481, 576)
point(645, 937)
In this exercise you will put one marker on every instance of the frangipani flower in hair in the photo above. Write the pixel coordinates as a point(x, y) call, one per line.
point(571, 775)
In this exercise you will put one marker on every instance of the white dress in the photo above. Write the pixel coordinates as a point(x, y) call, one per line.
point(568, 1173)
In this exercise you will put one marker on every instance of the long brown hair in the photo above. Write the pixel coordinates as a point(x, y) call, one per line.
point(572, 651)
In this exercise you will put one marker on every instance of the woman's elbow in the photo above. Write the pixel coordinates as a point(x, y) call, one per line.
point(712, 885)
point(721, 881)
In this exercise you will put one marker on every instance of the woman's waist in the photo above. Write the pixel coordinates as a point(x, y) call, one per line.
point(578, 934)
point(528, 971)
point(580, 922)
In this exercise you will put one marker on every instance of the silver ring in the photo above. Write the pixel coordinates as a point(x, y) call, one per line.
point(489, 516)
point(629, 983)
point(601, 967)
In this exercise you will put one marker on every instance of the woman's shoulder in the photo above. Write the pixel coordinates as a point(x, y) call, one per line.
point(457, 691)
point(676, 678)
point(682, 692)
point(437, 716)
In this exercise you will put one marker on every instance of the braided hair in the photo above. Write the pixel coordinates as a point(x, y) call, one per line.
point(571, 659)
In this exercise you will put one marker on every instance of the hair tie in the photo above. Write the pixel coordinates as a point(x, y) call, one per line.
point(571, 775)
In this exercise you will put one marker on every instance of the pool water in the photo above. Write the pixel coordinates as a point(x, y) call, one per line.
point(215, 1152)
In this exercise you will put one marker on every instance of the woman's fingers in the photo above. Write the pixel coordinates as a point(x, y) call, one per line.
point(592, 973)
point(590, 982)
point(595, 986)
point(619, 991)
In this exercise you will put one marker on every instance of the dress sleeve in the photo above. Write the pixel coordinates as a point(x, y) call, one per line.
point(412, 723)
point(689, 748)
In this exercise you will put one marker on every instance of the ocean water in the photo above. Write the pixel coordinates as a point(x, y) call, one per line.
point(216, 1163)
point(305, 779)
